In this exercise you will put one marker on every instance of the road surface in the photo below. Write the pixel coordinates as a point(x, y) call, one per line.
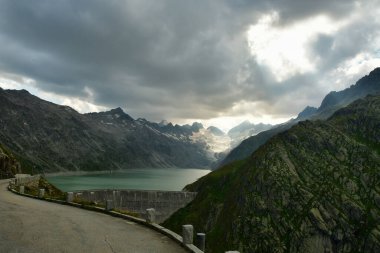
point(31, 225)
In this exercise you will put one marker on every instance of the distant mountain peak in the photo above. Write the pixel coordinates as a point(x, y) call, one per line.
point(215, 131)
point(307, 112)
point(245, 123)
point(22, 92)
point(243, 126)
point(117, 110)
point(196, 126)
point(163, 123)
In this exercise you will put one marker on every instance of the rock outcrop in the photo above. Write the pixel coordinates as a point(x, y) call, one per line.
point(9, 166)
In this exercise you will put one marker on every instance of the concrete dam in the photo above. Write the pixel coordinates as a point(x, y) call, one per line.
point(137, 201)
point(165, 203)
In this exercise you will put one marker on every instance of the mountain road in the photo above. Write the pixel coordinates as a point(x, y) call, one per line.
point(30, 225)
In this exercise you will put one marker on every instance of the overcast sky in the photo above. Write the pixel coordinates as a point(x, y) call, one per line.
point(218, 62)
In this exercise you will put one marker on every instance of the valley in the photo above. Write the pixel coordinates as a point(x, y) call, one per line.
point(308, 185)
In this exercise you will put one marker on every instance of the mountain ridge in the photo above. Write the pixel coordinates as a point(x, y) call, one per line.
point(45, 135)
point(369, 84)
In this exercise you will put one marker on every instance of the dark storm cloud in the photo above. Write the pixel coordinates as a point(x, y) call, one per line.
point(292, 10)
point(159, 59)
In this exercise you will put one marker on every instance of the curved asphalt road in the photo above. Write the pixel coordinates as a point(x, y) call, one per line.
point(30, 225)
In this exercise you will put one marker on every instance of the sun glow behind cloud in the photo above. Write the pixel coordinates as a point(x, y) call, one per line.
point(284, 49)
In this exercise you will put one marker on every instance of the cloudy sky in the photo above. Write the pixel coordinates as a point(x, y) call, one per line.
point(218, 62)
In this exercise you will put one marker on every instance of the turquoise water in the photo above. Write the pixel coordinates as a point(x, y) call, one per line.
point(140, 179)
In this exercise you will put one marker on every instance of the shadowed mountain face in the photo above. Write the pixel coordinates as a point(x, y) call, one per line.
point(369, 84)
point(51, 137)
point(312, 188)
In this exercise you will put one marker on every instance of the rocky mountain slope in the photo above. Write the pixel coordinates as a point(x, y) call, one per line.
point(51, 137)
point(312, 188)
point(369, 84)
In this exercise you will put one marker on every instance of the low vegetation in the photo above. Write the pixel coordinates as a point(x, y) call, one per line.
point(51, 191)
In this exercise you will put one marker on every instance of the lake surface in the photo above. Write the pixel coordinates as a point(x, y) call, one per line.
point(139, 179)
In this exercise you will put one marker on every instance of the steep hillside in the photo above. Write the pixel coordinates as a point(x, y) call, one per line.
point(369, 84)
point(51, 137)
point(312, 188)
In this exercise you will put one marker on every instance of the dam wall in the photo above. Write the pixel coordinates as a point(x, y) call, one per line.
point(165, 203)
point(137, 201)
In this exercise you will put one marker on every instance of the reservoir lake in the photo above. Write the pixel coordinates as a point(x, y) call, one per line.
point(140, 179)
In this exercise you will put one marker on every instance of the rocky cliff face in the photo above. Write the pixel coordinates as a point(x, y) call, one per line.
point(312, 188)
point(51, 137)
point(369, 84)
point(9, 166)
